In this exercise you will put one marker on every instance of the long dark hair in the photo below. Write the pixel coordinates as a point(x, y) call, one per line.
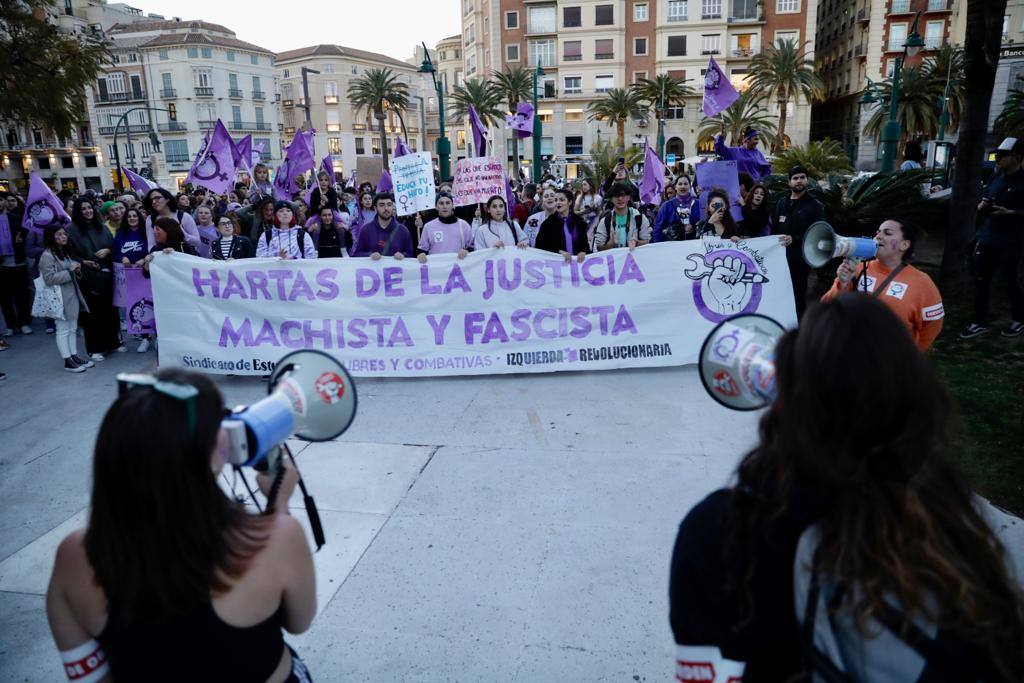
point(124, 220)
point(162, 536)
point(862, 423)
point(50, 241)
point(79, 220)
point(171, 226)
point(508, 219)
point(731, 230)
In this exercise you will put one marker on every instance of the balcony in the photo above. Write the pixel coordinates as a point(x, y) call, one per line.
point(289, 131)
point(604, 55)
point(234, 93)
point(125, 128)
point(204, 91)
point(330, 99)
point(755, 19)
point(120, 97)
point(713, 15)
point(541, 30)
point(259, 95)
point(860, 51)
point(168, 93)
point(177, 158)
point(247, 125)
point(936, 42)
point(743, 52)
point(939, 6)
point(714, 51)
point(900, 7)
point(864, 16)
point(172, 127)
point(287, 104)
point(207, 125)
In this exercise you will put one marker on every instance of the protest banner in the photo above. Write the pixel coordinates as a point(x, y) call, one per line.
point(413, 177)
point(496, 311)
point(477, 180)
point(723, 175)
point(138, 303)
point(119, 285)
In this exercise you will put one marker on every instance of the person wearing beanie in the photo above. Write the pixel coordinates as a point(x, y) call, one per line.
point(793, 214)
point(112, 212)
point(284, 240)
point(446, 234)
point(747, 156)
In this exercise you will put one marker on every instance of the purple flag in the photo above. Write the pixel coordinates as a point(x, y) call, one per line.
point(257, 153)
point(138, 183)
point(243, 153)
point(522, 121)
point(352, 179)
point(214, 169)
point(718, 91)
point(401, 149)
point(42, 207)
point(479, 133)
point(138, 302)
point(202, 150)
point(653, 182)
point(510, 196)
point(385, 184)
point(297, 160)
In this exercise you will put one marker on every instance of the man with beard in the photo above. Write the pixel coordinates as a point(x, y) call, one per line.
point(384, 236)
point(792, 216)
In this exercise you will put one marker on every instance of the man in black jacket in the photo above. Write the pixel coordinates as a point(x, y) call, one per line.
point(790, 219)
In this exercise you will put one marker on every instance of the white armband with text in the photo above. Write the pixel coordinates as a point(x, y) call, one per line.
point(86, 663)
point(705, 664)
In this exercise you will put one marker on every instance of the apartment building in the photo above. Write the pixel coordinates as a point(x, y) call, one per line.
point(342, 132)
point(191, 73)
point(447, 58)
point(1010, 72)
point(588, 47)
point(860, 40)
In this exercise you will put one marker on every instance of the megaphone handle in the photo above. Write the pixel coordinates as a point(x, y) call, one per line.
point(274, 488)
point(311, 512)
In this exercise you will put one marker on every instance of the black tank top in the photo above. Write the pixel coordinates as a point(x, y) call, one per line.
point(196, 647)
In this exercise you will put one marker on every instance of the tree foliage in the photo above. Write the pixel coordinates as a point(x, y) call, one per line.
point(617, 106)
point(604, 156)
point(376, 91)
point(782, 72)
point(1010, 122)
point(821, 158)
point(746, 112)
point(918, 107)
point(948, 61)
point(43, 70)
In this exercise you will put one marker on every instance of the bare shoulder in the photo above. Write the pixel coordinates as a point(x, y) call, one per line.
point(71, 557)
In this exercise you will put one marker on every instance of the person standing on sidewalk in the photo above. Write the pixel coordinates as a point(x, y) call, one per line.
point(1000, 241)
point(793, 214)
point(15, 287)
point(57, 269)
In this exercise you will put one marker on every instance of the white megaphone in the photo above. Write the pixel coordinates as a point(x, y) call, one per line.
point(311, 396)
point(822, 244)
point(737, 361)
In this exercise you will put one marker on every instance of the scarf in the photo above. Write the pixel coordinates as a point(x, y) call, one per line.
point(6, 242)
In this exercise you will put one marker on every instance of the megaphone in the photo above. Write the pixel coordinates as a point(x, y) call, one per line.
point(311, 396)
point(822, 244)
point(737, 361)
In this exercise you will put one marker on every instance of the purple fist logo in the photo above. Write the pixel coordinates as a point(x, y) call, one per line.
point(726, 283)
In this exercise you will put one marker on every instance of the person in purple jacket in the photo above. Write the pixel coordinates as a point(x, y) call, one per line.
point(747, 156)
point(384, 236)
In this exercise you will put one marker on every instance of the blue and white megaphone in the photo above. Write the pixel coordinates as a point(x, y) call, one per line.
point(822, 244)
point(737, 361)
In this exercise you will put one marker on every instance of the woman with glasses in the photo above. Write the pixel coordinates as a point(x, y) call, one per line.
point(231, 244)
point(159, 203)
point(172, 580)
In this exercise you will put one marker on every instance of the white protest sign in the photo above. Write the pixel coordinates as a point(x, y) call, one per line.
point(413, 177)
point(477, 180)
point(496, 311)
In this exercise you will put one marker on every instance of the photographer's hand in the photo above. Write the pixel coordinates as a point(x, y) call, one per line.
point(265, 481)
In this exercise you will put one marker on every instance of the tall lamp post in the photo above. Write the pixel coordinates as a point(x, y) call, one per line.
point(117, 155)
point(661, 123)
point(537, 74)
point(891, 132)
point(444, 147)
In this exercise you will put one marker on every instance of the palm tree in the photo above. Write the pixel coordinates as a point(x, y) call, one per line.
point(820, 158)
point(481, 95)
point(663, 92)
point(781, 72)
point(948, 62)
point(514, 85)
point(603, 158)
point(1010, 122)
point(918, 107)
point(618, 106)
point(375, 91)
point(746, 112)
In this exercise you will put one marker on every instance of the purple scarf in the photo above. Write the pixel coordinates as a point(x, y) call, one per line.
point(569, 237)
point(6, 243)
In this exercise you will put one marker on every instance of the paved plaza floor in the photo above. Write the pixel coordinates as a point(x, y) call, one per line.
point(479, 528)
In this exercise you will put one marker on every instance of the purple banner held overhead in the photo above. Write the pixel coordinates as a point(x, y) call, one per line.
point(138, 303)
point(401, 149)
point(653, 182)
point(522, 121)
point(721, 175)
point(42, 206)
point(479, 133)
point(718, 91)
point(297, 160)
point(138, 183)
point(214, 167)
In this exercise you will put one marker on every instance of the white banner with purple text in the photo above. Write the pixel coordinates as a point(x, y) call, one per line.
point(496, 311)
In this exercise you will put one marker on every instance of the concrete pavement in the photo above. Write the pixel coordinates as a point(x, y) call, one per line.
point(504, 528)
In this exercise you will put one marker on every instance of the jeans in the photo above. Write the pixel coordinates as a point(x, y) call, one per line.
point(67, 337)
point(1005, 258)
point(16, 295)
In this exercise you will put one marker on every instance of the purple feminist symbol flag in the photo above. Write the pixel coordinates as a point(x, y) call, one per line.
point(138, 183)
point(479, 133)
point(385, 183)
point(257, 153)
point(190, 179)
point(42, 207)
point(522, 121)
point(214, 169)
point(653, 182)
point(401, 149)
point(243, 153)
point(297, 160)
point(718, 91)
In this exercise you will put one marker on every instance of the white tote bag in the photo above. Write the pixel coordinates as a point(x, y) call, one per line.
point(48, 302)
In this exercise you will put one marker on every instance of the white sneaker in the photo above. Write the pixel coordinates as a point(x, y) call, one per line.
point(143, 346)
point(121, 349)
point(8, 332)
point(98, 357)
point(25, 329)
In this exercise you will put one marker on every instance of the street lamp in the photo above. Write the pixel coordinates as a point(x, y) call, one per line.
point(891, 132)
point(117, 154)
point(537, 74)
point(444, 147)
point(661, 122)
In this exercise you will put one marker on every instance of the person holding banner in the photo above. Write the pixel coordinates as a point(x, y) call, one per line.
point(446, 234)
point(631, 228)
point(231, 244)
point(90, 243)
point(564, 232)
point(384, 236)
point(547, 208)
point(747, 156)
point(203, 216)
point(161, 203)
point(58, 270)
point(285, 240)
point(498, 230)
point(130, 249)
point(678, 216)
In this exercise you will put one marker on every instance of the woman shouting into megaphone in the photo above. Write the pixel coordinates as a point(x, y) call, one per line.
point(172, 580)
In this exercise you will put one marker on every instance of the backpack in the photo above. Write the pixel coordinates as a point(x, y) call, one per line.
point(301, 239)
point(638, 220)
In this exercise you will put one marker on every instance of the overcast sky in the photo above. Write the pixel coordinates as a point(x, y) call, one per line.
point(390, 27)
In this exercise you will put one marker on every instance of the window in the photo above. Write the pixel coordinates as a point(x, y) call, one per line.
point(675, 113)
point(572, 85)
point(788, 6)
point(287, 73)
point(738, 78)
point(253, 59)
point(460, 139)
point(546, 115)
point(330, 92)
point(572, 50)
point(542, 53)
point(541, 19)
point(572, 17)
point(470, 34)
point(677, 46)
point(44, 163)
point(547, 146)
point(511, 19)
point(176, 151)
point(233, 82)
point(67, 162)
point(792, 36)
point(574, 144)
point(207, 53)
point(360, 145)
point(230, 55)
point(90, 161)
point(236, 115)
point(604, 15)
point(897, 37)
point(164, 55)
point(639, 46)
point(334, 146)
point(512, 52)
point(678, 10)
point(709, 44)
point(604, 48)
point(639, 76)
point(574, 116)
point(328, 68)
point(257, 87)
point(333, 121)
point(604, 83)
point(640, 11)
point(115, 83)
point(712, 9)
point(471, 64)
point(259, 117)
point(744, 44)
point(203, 78)
point(933, 31)
point(193, 53)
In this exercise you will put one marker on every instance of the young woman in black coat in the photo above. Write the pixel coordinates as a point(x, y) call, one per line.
point(564, 232)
